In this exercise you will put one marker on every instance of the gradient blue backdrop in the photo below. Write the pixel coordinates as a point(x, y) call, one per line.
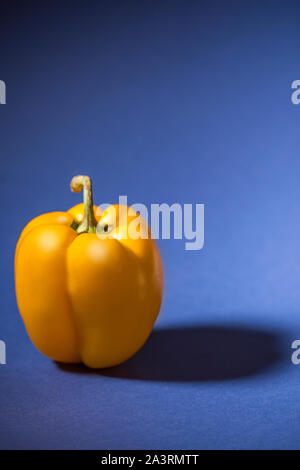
point(165, 101)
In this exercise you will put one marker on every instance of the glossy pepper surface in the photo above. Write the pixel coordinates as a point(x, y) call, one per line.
point(87, 291)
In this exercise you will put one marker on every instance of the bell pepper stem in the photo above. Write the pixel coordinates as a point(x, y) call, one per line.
point(89, 222)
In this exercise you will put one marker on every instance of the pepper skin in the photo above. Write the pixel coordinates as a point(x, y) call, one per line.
point(85, 296)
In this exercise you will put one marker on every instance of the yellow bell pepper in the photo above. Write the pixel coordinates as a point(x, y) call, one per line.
point(87, 291)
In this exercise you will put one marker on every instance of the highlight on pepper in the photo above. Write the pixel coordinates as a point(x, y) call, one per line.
point(88, 292)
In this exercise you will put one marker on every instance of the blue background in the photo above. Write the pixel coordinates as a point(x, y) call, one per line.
point(165, 101)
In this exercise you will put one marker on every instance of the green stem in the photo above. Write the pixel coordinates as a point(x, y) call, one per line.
point(89, 223)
